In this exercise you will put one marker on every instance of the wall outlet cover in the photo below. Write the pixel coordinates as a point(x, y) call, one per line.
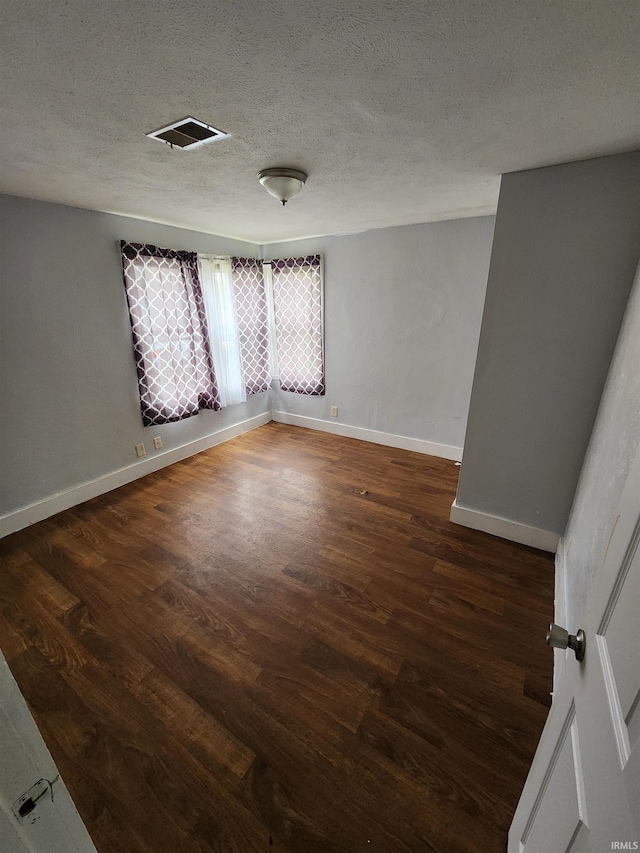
point(140, 451)
point(334, 411)
point(157, 442)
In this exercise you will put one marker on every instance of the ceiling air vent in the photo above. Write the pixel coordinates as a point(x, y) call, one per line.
point(187, 133)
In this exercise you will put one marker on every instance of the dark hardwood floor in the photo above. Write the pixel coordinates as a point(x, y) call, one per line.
point(282, 644)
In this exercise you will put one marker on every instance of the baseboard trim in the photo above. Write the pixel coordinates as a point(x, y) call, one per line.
point(514, 531)
point(40, 510)
point(417, 445)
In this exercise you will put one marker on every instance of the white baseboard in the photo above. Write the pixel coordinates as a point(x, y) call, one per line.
point(71, 497)
point(514, 531)
point(418, 445)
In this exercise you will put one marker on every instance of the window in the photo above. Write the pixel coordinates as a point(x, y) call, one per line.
point(193, 313)
point(171, 345)
point(297, 307)
point(253, 323)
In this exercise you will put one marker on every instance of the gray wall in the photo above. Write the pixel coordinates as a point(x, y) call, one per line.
point(69, 406)
point(402, 319)
point(403, 308)
point(566, 245)
point(613, 445)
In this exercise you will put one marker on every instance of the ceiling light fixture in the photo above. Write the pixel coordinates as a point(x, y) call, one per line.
point(282, 184)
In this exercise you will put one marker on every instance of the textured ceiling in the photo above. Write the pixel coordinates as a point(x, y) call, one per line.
point(400, 111)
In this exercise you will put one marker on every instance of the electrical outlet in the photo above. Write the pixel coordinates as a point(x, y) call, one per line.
point(157, 442)
point(140, 451)
point(334, 411)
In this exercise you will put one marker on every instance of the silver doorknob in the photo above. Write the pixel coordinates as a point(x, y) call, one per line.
point(560, 638)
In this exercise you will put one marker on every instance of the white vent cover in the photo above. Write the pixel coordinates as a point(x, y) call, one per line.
point(187, 133)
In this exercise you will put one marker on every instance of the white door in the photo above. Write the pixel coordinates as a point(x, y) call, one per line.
point(51, 823)
point(583, 790)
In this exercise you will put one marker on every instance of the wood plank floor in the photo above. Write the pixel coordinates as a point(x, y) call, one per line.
point(282, 644)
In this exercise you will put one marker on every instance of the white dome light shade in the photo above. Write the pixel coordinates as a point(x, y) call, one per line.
point(282, 184)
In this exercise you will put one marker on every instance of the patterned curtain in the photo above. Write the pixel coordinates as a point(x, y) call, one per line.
point(253, 323)
point(170, 339)
point(297, 302)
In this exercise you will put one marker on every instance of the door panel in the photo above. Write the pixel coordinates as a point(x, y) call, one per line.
point(621, 634)
point(558, 813)
point(583, 789)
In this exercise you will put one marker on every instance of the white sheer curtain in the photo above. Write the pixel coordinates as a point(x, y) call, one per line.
point(220, 307)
